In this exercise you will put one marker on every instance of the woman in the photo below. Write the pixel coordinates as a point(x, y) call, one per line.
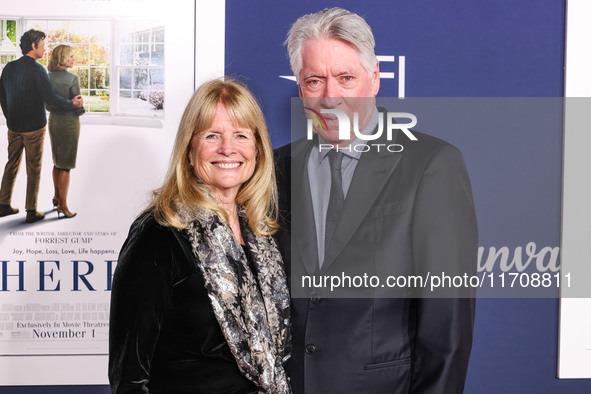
point(199, 299)
point(64, 127)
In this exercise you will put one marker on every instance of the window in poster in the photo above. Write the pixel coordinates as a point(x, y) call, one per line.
point(119, 62)
point(8, 48)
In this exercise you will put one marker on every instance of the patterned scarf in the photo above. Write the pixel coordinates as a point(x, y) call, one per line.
point(253, 312)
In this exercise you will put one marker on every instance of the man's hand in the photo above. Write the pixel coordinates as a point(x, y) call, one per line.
point(78, 101)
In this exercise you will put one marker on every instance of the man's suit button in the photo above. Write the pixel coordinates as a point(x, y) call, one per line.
point(315, 300)
point(310, 348)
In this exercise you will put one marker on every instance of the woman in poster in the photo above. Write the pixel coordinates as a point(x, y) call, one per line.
point(64, 127)
point(200, 302)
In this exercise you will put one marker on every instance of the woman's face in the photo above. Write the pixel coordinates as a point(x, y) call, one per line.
point(70, 62)
point(223, 156)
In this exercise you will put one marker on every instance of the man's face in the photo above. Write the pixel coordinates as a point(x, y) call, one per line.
point(39, 50)
point(332, 77)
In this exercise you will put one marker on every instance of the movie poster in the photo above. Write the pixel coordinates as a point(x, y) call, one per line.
point(55, 274)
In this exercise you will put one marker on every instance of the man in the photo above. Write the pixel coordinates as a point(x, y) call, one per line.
point(402, 212)
point(24, 89)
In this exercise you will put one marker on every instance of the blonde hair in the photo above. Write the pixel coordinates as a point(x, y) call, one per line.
point(181, 189)
point(59, 57)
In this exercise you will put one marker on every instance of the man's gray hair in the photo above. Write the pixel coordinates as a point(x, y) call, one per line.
point(336, 23)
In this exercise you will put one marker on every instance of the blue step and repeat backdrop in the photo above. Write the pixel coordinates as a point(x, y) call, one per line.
point(452, 49)
point(457, 48)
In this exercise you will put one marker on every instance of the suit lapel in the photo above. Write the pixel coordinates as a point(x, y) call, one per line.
point(302, 216)
point(371, 174)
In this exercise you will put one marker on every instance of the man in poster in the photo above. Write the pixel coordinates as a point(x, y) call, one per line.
point(352, 209)
point(24, 90)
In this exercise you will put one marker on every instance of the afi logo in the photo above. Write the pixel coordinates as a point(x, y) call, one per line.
point(345, 124)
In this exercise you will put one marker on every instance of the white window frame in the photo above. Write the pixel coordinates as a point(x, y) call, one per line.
point(111, 117)
point(17, 47)
point(117, 66)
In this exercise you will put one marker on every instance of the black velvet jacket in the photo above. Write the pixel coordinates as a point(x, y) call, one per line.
point(164, 337)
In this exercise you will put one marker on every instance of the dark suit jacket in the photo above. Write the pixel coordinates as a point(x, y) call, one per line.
point(405, 213)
